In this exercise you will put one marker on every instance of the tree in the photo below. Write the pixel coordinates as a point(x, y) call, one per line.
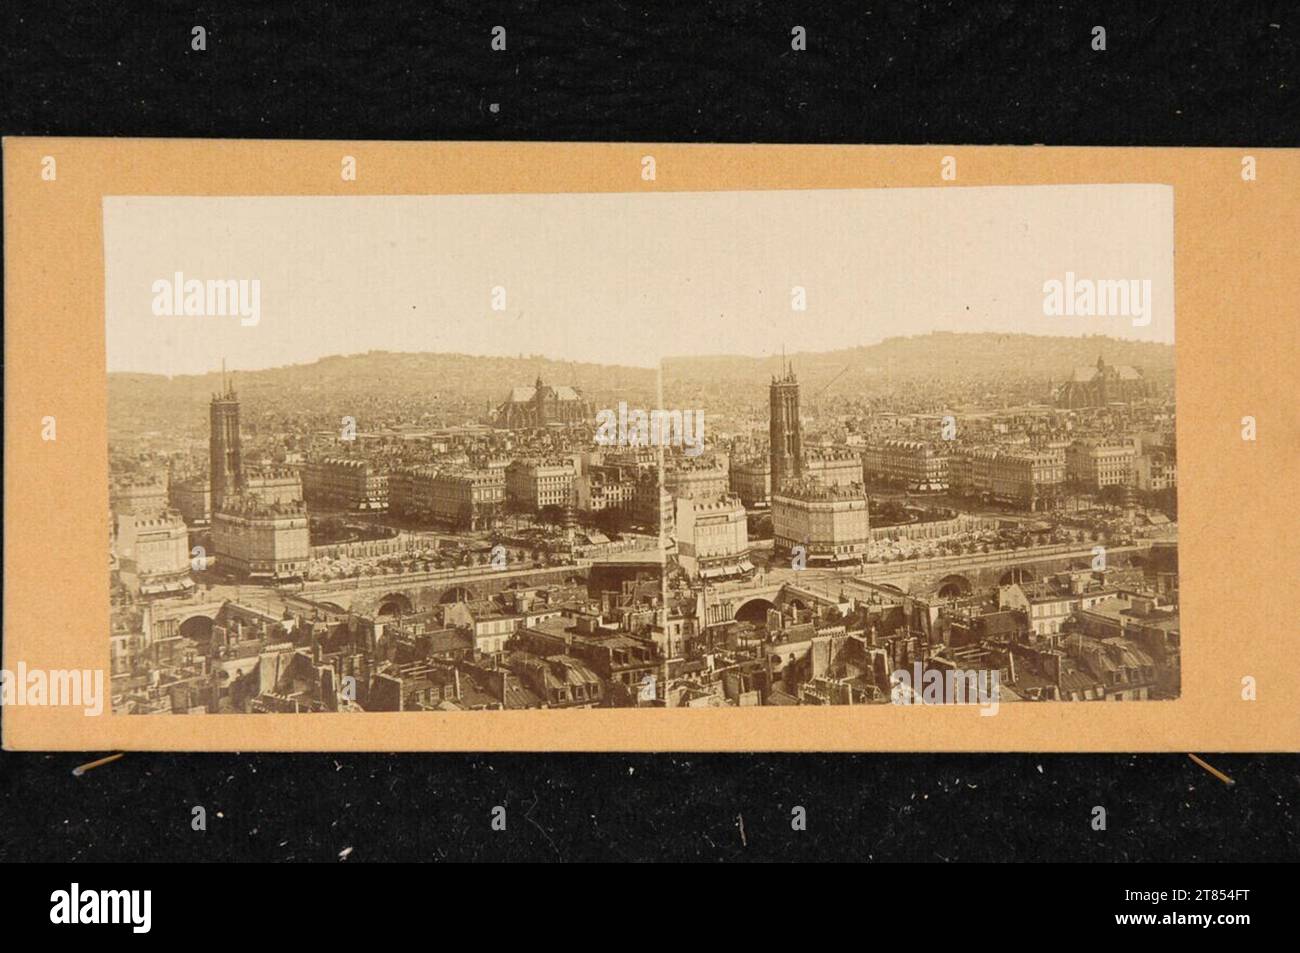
point(1112, 495)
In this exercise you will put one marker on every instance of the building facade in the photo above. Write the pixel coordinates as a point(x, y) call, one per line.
point(274, 484)
point(460, 498)
point(142, 495)
point(829, 522)
point(346, 483)
point(257, 540)
point(1022, 476)
point(712, 537)
point(752, 482)
point(1155, 470)
point(154, 553)
point(192, 499)
point(652, 505)
point(1096, 464)
point(601, 489)
point(535, 484)
point(907, 463)
point(833, 467)
point(702, 478)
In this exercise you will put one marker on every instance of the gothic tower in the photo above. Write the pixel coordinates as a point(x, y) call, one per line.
point(225, 463)
point(784, 436)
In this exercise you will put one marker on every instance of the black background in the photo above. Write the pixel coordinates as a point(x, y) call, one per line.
point(1206, 74)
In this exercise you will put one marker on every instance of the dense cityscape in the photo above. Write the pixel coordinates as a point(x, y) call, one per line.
point(404, 532)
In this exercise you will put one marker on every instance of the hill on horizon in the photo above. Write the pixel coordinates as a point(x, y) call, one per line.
point(459, 385)
point(937, 355)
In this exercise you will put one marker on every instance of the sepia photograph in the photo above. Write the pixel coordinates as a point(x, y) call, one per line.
point(692, 450)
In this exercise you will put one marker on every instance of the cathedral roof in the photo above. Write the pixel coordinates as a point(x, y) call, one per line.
point(1124, 372)
point(526, 395)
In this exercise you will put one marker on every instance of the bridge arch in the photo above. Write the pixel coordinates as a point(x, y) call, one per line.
point(754, 610)
point(198, 628)
point(456, 594)
point(395, 603)
point(1016, 575)
point(953, 586)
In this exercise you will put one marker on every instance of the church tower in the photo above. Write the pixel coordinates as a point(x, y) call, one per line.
point(784, 436)
point(225, 462)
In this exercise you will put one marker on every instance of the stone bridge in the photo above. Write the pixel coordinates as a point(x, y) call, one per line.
point(961, 575)
point(193, 619)
point(750, 603)
point(415, 592)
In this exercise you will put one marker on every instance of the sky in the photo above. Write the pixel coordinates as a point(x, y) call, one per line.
point(623, 278)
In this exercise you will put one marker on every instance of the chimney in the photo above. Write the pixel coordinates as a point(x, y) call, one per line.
point(1053, 665)
point(1011, 666)
point(456, 676)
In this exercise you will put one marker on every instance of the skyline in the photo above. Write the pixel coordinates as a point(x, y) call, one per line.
point(516, 565)
point(777, 356)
